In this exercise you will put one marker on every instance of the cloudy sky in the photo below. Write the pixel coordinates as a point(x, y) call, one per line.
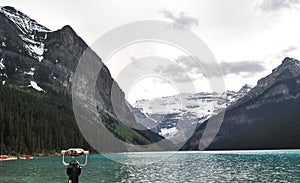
point(247, 38)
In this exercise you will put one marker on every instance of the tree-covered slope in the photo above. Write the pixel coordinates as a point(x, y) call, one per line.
point(33, 122)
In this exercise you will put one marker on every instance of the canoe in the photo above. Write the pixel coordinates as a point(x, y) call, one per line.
point(6, 158)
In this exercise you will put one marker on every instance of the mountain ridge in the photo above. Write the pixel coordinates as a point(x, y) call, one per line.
point(267, 117)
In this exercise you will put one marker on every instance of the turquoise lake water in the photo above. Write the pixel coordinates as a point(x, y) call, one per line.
point(223, 166)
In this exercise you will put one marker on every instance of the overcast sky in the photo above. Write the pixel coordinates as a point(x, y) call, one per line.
point(248, 38)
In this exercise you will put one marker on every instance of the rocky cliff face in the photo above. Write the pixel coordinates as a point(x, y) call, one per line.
point(267, 117)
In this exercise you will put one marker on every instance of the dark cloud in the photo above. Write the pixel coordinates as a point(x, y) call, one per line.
point(238, 67)
point(276, 5)
point(244, 68)
point(182, 18)
point(174, 72)
point(187, 68)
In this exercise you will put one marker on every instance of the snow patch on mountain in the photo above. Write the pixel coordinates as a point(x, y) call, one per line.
point(3, 71)
point(5, 75)
point(168, 132)
point(29, 73)
point(36, 48)
point(2, 66)
point(35, 86)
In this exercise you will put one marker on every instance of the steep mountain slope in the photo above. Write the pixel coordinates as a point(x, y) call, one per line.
point(41, 63)
point(266, 118)
point(29, 30)
point(165, 112)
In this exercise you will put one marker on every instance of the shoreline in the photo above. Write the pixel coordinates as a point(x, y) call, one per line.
point(193, 151)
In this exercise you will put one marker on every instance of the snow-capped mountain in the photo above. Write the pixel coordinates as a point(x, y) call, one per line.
point(20, 34)
point(31, 32)
point(164, 113)
point(25, 24)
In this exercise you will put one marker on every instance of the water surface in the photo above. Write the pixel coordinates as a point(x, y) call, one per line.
point(221, 166)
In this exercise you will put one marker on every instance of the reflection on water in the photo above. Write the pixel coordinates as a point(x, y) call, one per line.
point(226, 166)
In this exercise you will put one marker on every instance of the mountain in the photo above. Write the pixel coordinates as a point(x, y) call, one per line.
point(162, 114)
point(37, 68)
point(32, 33)
point(267, 117)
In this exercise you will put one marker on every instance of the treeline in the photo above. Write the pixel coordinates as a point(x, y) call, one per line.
point(127, 134)
point(35, 122)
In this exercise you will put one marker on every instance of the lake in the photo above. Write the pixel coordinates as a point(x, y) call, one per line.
point(213, 166)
